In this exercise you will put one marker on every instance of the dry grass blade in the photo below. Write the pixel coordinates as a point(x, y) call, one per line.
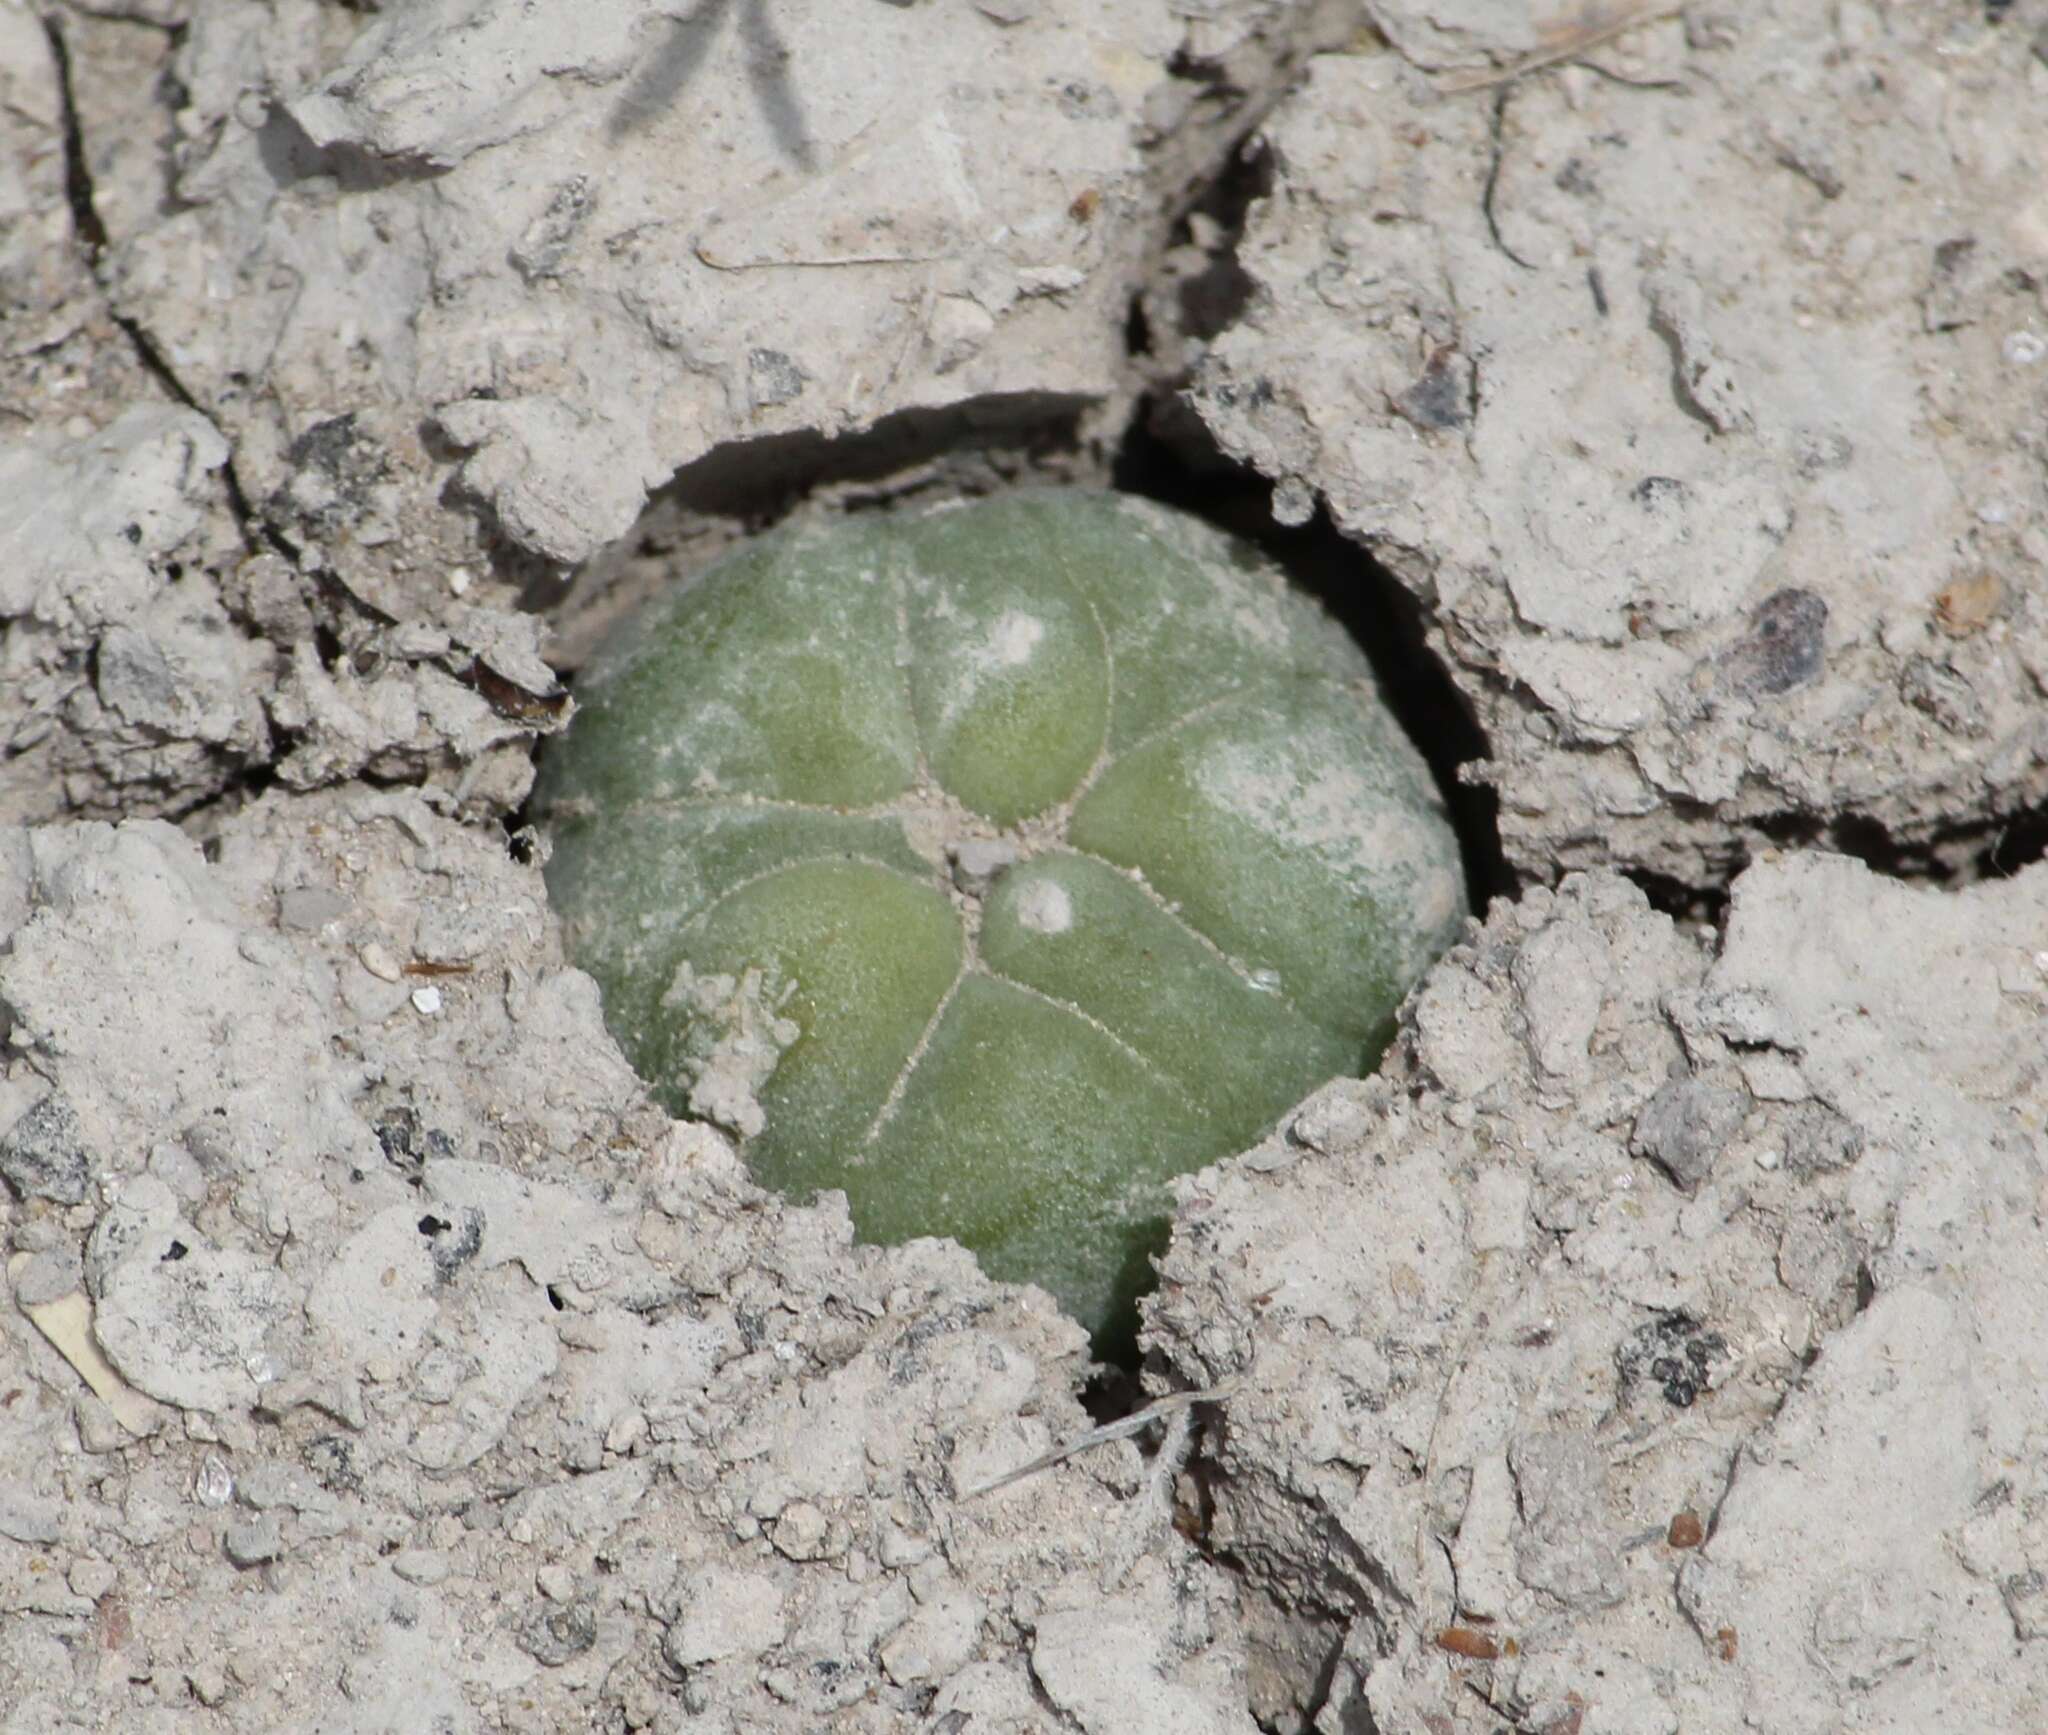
point(1136, 1422)
point(1566, 39)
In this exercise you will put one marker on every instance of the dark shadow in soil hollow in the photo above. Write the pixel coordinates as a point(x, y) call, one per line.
point(1698, 908)
point(1374, 607)
point(1949, 859)
point(2017, 842)
point(747, 486)
point(764, 478)
point(1210, 301)
point(1952, 857)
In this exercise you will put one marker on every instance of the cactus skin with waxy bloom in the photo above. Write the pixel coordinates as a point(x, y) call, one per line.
point(996, 863)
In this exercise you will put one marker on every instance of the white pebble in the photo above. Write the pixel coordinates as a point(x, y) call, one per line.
point(215, 1484)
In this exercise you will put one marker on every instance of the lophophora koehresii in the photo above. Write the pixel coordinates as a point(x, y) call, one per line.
point(996, 863)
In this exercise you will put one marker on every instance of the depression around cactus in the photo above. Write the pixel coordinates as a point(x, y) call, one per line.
point(1076, 845)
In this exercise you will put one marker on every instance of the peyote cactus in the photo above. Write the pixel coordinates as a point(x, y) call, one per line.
point(996, 863)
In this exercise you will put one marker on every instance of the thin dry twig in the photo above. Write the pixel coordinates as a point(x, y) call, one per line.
point(1569, 39)
point(1136, 1422)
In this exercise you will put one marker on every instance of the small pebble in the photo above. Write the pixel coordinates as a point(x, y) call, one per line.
point(554, 1634)
point(48, 1276)
point(420, 1565)
point(308, 909)
point(900, 1549)
point(215, 1484)
point(97, 1430)
point(379, 962)
point(91, 1578)
point(801, 1532)
point(903, 1662)
point(977, 862)
point(253, 1541)
point(626, 1432)
point(1333, 1121)
point(427, 1002)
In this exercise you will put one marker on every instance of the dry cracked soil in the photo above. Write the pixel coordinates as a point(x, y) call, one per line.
point(1658, 1342)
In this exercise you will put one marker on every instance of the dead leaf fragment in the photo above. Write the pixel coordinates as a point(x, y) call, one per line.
point(1967, 605)
point(67, 1323)
point(1468, 1642)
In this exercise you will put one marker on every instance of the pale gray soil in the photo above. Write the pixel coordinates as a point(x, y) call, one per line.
point(1655, 1345)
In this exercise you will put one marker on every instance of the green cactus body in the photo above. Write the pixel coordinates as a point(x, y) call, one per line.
point(996, 864)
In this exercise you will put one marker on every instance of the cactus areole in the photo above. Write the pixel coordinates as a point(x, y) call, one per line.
point(996, 863)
